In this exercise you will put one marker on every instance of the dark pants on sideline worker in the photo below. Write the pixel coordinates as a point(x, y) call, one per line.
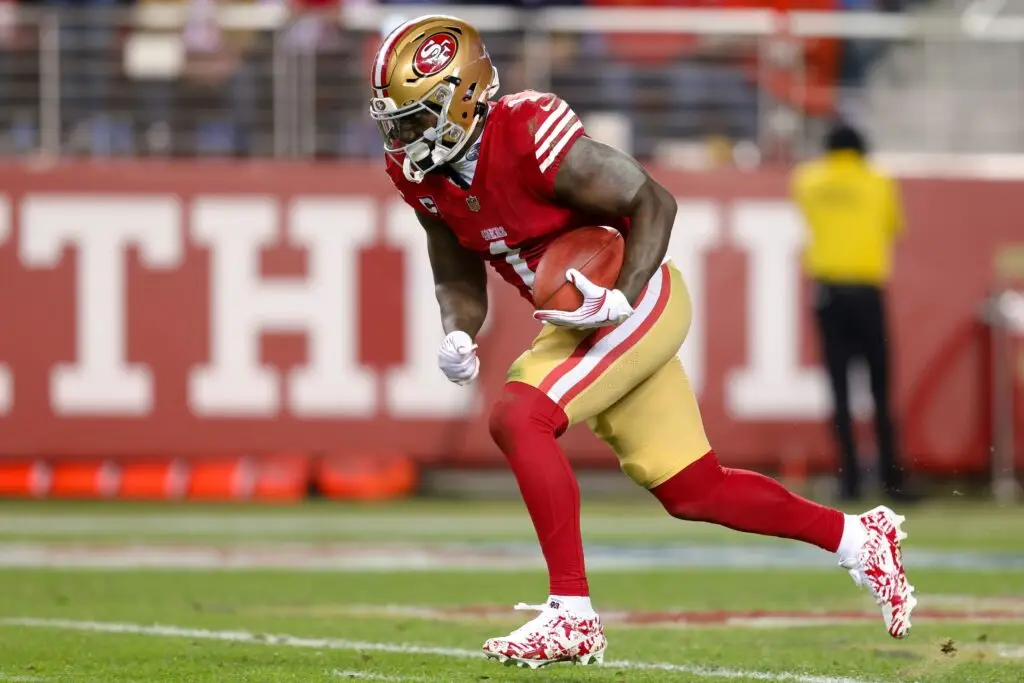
point(852, 324)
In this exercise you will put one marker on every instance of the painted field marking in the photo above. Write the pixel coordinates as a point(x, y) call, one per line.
point(372, 526)
point(452, 557)
point(399, 648)
point(369, 676)
point(1011, 651)
point(764, 619)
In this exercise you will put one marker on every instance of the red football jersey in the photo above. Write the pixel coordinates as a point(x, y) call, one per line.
point(509, 213)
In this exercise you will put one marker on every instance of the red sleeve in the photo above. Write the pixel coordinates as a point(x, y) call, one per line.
point(546, 128)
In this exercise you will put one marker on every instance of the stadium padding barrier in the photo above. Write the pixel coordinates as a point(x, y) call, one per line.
point(161, 311)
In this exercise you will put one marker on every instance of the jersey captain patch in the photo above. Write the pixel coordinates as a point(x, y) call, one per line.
point(429, 204)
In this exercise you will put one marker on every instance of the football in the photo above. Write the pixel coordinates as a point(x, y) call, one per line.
point(595, 251)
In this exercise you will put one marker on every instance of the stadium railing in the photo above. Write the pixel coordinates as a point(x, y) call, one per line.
point(937, 90)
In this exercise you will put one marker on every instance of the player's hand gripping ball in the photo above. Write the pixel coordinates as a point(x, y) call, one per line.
point(571, 287)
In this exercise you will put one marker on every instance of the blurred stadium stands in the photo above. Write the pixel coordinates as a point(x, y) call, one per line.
point(669, 79)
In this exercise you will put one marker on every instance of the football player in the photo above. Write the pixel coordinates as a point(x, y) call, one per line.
point(495, 180)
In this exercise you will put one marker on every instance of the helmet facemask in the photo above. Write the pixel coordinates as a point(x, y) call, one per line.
point(437, 144)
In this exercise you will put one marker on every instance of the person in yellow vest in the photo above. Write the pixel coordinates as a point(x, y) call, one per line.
point(853, 215)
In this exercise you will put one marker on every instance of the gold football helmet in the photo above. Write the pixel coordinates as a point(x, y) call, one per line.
point(432, 78)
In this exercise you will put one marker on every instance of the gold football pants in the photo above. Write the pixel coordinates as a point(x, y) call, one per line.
point(626, 381)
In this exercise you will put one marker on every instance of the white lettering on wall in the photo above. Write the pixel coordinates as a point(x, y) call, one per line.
point(419, 389)
point(774, 385)
point(322, 305)
point(696, 231)
point(334, 382)
point(102, 382)
point(6, 381)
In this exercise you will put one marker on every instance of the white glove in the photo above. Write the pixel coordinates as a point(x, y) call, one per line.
point(457, 358)
point(600, 307)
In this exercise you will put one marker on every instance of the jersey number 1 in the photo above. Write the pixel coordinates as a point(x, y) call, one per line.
point(513, 258)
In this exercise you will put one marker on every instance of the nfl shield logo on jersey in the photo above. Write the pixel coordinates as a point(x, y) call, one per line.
point(473, 203)
point(428, 204)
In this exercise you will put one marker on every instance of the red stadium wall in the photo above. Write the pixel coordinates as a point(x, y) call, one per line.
point(210, 308)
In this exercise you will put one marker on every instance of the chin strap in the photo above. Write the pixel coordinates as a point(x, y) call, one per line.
point(412, 174)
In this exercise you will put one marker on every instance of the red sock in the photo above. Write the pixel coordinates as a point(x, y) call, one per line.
point(525, 424)
point(746, 501)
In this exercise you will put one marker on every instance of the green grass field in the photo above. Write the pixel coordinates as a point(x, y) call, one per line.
point(408, 592)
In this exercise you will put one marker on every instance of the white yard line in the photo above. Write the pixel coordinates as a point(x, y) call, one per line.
point(367, 558)
point(424, 556)
point(368, 676)
point(679, 619)
point(1010, 651)
point(371, 524)
point(400, 648)
point(426, 525)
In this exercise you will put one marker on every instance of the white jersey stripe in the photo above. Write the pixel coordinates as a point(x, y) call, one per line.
point(562, 142)
point(618, 336)
point(566, 120)
point(514, 258)
point(549, 121)
point(380, 65)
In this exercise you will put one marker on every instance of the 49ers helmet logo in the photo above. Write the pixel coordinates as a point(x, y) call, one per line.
point(435, 54)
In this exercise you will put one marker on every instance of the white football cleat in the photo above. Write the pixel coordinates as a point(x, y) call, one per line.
point(555, 635)
point(879, 566)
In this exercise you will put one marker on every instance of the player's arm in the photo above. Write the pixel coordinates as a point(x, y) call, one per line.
point(460, 279)
point(601, 179)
